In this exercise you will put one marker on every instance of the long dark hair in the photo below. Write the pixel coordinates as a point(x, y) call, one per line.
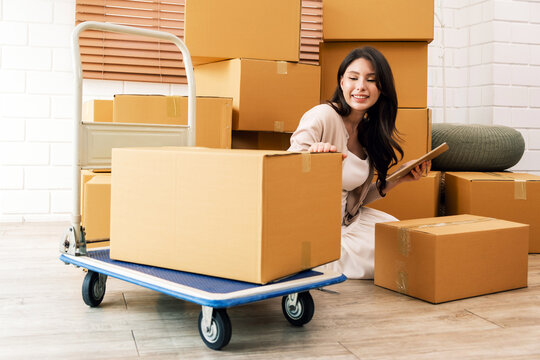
point(377, 131)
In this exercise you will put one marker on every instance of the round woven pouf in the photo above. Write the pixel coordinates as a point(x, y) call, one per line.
point(475, 147)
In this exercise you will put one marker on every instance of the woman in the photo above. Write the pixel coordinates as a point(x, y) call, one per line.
point(359, 121)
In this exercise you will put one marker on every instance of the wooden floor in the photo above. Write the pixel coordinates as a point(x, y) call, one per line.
point(42, 316)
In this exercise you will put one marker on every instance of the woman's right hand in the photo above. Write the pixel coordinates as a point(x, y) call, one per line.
point(324, 147)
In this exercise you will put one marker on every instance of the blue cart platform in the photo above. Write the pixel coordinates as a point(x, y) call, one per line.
point(212, 293)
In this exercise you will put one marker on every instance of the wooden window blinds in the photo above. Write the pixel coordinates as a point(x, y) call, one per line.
point(112, 56)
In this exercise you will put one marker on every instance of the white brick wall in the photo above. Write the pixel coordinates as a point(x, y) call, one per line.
point(484, 67)
point(35, 91)
point(493, 76)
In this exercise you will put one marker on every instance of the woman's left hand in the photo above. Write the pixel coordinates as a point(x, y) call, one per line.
point(416, 172)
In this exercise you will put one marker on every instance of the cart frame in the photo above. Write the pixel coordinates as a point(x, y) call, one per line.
point(74, 242)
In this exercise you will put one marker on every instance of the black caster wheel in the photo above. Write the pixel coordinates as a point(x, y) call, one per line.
point(93, 288)
point(217, 333)
point(298, 312)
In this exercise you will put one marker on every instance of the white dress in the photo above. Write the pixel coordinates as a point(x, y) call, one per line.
point(357, 239)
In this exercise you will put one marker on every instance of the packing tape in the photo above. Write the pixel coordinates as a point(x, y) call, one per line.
point(402, 282)
point(281, 67)
point(172, 106)
point(461, 222)
point(306, 162)
point(520, 189)
point(279, 126)
point(404, 238)
point(306, 255)
point(520, 186)
point(404, 241)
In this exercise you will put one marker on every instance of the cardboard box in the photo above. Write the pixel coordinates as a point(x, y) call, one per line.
point(237, 214)
point(504, 195)
point(412, 200)
point(87, 175)
point(213, 115)
point(95, 206)
point(217, 30)
point(267, 95)
point(97, 111)
point(408, 60)
point(261, 140)
point(414, 127)
point(451, 257)
point(380, 20)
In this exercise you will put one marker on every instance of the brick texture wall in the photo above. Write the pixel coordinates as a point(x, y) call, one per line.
point(484, 67)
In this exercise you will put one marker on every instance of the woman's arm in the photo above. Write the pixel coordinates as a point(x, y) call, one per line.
point(308, 132)
point(415, 174)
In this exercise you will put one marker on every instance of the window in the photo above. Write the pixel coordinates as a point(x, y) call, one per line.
point(113, 56)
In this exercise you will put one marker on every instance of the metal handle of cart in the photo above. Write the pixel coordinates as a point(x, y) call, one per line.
point(73, 241)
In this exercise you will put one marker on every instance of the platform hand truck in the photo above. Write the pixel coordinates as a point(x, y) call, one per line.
point(92, 144)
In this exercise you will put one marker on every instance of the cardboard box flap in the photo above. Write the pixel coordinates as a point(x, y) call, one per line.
point(247, 152)
point(453, 225)
point(495, 176)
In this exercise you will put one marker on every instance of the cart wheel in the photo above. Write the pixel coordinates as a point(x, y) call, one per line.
point(218, 334)
point(93, 288)
point(298, 313)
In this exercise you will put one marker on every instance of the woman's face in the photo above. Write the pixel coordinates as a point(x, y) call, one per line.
point(359, 86)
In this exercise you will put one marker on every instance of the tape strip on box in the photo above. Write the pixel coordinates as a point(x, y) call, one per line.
point(306, 162)
point(520, 186)
point(279, 126)
point(403, 235)
point(520, 189)
point(281, 67)
point(173, 106)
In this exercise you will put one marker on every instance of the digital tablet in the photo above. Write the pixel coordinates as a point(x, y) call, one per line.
point(426, 157)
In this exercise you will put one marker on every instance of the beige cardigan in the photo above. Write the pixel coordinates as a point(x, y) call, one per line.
point(323, 124)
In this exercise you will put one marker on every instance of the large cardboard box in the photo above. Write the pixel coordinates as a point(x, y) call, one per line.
point(237, 214)
point(260, 140)
point(346, 20)
point(412, 200)
point(267, 95)
point(451, 257)
point(504, 195)
point(97, 111)
point(408, 60)
point(216, 29)
point(213, 115)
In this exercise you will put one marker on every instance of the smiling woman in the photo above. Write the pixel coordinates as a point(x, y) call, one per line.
point(358, 121)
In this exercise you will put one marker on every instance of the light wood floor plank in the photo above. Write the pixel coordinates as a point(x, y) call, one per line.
point(42, 315)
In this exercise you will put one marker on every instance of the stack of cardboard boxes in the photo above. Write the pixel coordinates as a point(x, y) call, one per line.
point(230, 213)
point(250, 203)
point(250, 51)
point(434, 258)
point(403, 40)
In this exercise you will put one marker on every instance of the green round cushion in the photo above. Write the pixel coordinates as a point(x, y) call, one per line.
point(475, 147)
